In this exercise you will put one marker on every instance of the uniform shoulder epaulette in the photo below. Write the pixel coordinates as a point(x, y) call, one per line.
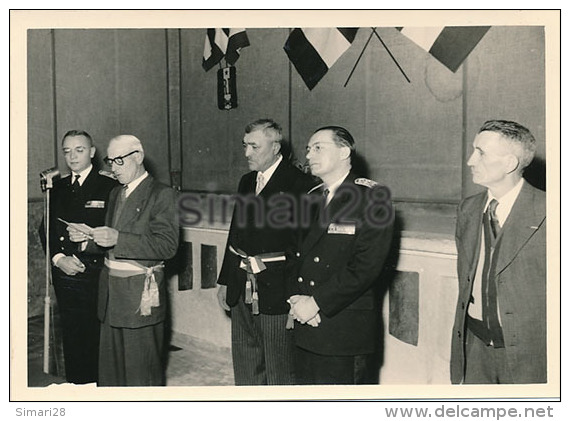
point(365, 182)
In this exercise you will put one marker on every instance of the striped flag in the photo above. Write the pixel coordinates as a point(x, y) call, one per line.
point(313, 51)
point(449, 44)
point(223, 42)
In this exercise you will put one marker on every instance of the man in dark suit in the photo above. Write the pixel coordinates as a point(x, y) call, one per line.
point(252, 280)
point(80, 197)
point(141, 232)
point(499, 335)
point(333, 300)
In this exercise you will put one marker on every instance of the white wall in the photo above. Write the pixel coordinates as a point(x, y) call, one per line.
point(198, 317)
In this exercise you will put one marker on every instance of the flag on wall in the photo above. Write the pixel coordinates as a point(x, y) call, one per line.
point(223, 42)
point(313, 51)
point(449, 44)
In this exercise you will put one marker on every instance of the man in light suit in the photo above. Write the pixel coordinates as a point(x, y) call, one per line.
point(333, 299)
point(262, 348)
point(141, 233)
point(499, 335)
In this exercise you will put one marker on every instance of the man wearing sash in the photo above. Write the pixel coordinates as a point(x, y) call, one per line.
point(252, 278)
point(141, 232)
point(499, 335)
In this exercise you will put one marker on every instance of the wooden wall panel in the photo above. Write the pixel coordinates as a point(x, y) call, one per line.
point(112, 82)
point(409, 134)
point(40, 141)
point(212, 154)
point(506, 80)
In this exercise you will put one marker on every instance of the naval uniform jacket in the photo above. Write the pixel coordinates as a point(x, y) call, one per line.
point(254, 239)
point(148, 233)
point(88, 205)
point(338, 263)
point(520, 274)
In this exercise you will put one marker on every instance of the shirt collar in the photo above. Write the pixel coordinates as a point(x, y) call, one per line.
point(334, 186)
point(134, 184)
point(506, 202)
point(82, 175)
point(268, 173)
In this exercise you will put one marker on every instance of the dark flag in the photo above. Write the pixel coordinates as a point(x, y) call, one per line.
point(223, 42)
point(449, 44)
point(313, 51)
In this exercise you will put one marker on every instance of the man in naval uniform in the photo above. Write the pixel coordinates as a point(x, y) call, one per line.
point(81, 197)
point(332, 299)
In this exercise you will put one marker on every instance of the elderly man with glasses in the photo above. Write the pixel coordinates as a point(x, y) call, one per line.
point(140, 233)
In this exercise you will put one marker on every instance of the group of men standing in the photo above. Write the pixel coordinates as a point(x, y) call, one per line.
point(300, 290)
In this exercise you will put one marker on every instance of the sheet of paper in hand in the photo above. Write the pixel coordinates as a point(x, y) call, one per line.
point(84, 228)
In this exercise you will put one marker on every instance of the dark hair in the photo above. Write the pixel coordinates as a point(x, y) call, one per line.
point(517, 135)
point(73, 133)
point(340, 136)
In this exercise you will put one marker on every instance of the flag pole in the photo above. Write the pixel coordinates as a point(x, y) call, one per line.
point(359, 57)
point(388, 50)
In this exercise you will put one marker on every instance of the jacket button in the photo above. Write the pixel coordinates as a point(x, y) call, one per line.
point(61, 238)
point(312, 283)
point(459, 333)
point(298, 254)
point(316, 259)
point(463, 305)
point(300, 279)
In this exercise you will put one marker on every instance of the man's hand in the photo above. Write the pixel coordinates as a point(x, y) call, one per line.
point(304, 309)
point(76, 236)
point(70, 265)
point(105, 236)
point(222, 292)
point(314, 322)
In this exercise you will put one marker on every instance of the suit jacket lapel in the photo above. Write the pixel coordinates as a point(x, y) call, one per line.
point(136, 200)
point(274, 183)
point(318, 228)
point(470, 232)
point(521, 224)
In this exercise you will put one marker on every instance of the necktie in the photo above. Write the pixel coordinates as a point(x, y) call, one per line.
point(326, 196)
point(120, 203)
point(75, 185)
point(260, 183)
point(488, 281)
point(491, 209)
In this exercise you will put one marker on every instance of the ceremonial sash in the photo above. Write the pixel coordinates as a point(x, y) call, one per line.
point(127, 268)
point(254, 265)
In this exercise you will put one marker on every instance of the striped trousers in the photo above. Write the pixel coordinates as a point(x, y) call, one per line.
point(262, 349)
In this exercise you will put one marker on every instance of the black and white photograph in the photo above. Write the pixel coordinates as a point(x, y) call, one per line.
point(252, 205)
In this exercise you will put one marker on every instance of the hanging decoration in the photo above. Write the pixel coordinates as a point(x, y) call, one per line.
point(224, 43)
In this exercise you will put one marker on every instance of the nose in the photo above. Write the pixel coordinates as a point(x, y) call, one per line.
point(73, 154)
point(472, 159)
point(309, 152)
point(248, 151)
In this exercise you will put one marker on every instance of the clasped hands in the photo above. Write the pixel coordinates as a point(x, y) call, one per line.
point(304, 309)
point(102, 236)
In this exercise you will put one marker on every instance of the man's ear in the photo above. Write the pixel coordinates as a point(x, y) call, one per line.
point(92, 153)
point(345, 152)
point(276, 148)
point(512, 163)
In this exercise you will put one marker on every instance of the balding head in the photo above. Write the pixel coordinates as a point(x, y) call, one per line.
point(126, 155)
